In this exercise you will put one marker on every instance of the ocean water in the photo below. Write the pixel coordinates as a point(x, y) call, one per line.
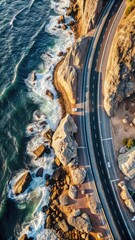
point(30, 40)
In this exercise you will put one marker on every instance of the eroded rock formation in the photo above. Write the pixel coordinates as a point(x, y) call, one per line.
point(120, 75)
point(64, 144)
point(126, 163)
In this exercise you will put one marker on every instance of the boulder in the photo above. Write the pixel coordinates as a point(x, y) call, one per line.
point(57, 161)
point(39, 172)
point(80, 223)
point(48, 134)
point(63, 199)
point(56, 174)
point(33, 77)
point(78, 175)
point(60, 54)
point(122, 150)
point(126, 197)
point(49, 94)
point(39, 151)
point(22, 183)
point(93, 205)
point(64, 27)
point(24, 237)
point(63, 142)
point(126, 163)
point(61, 19)
point(63, 225)
point(72, 192)
point(76, 212)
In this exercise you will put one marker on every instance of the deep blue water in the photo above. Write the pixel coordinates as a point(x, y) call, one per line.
point(23, 40)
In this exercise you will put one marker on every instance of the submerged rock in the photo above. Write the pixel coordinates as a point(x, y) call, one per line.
point(39, 172)
point(23, 182)
point(64, 144)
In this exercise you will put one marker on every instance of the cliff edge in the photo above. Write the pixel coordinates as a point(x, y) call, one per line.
point(120, 74)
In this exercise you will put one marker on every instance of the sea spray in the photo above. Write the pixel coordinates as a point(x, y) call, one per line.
point(46, 117)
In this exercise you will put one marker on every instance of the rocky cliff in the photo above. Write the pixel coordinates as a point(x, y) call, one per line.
point(120, 75)
point(126, 163)
point(70, 70)
point(88, 13)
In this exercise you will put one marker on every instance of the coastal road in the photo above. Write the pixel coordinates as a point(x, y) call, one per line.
point(93, 133)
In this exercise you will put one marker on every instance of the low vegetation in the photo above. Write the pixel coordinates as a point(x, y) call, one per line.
point(128, 142)
point(130, 6)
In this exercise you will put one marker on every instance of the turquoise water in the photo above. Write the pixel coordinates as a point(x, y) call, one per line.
point(29, 41)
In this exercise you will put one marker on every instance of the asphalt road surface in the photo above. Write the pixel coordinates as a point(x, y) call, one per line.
point(92, 130)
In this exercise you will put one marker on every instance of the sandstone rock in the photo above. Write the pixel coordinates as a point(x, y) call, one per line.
point(72, 192)
point(49, 94)
point(80, 223)
point(68, 179)
point(61, 19)
point(126, 197)
point(48, 134)
point(78, 175)
point(64, 26)
point(22, 183)
point(63, 200)
point(24, 237)
point(127, 163)
point(70, 69)
point(39, 172)
point(57, 161)
point(120, 77)
point(63, 225)
point(93, 205)
point(76, 212)
point(39, 151)
point(89, 11)
point(60, 54)
point(64, 144)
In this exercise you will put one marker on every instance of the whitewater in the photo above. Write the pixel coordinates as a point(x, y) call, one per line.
point(46, 116)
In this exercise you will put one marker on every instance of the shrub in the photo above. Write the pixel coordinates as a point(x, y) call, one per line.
point(130, 143)
point(124, 141)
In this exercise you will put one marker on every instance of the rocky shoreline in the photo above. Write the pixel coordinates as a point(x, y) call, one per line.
point(64, 184)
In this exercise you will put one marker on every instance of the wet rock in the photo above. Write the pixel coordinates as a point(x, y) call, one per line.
point(56, 174)
point(22, 183)
point(48, 134)
point(24, 237)
point(64, 144)
point(71, 23)
point(61, 19)
point(63, 225)
point(64, 27)
point(63, 200)
point(49, 94)
point(39, 172)
point(33, 77)
point(47, 176)
point(39, 151)
point(72, 192)
point(57, 161)
point(47, 150)
point(78, 175)
point(60, 54)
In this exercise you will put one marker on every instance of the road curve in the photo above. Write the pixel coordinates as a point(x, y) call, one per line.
point(92, 135)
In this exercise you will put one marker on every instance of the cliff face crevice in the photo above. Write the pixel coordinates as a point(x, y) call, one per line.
point(120, 75)
point(89, 11)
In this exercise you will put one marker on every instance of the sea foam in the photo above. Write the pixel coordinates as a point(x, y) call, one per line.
point(46, 117)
